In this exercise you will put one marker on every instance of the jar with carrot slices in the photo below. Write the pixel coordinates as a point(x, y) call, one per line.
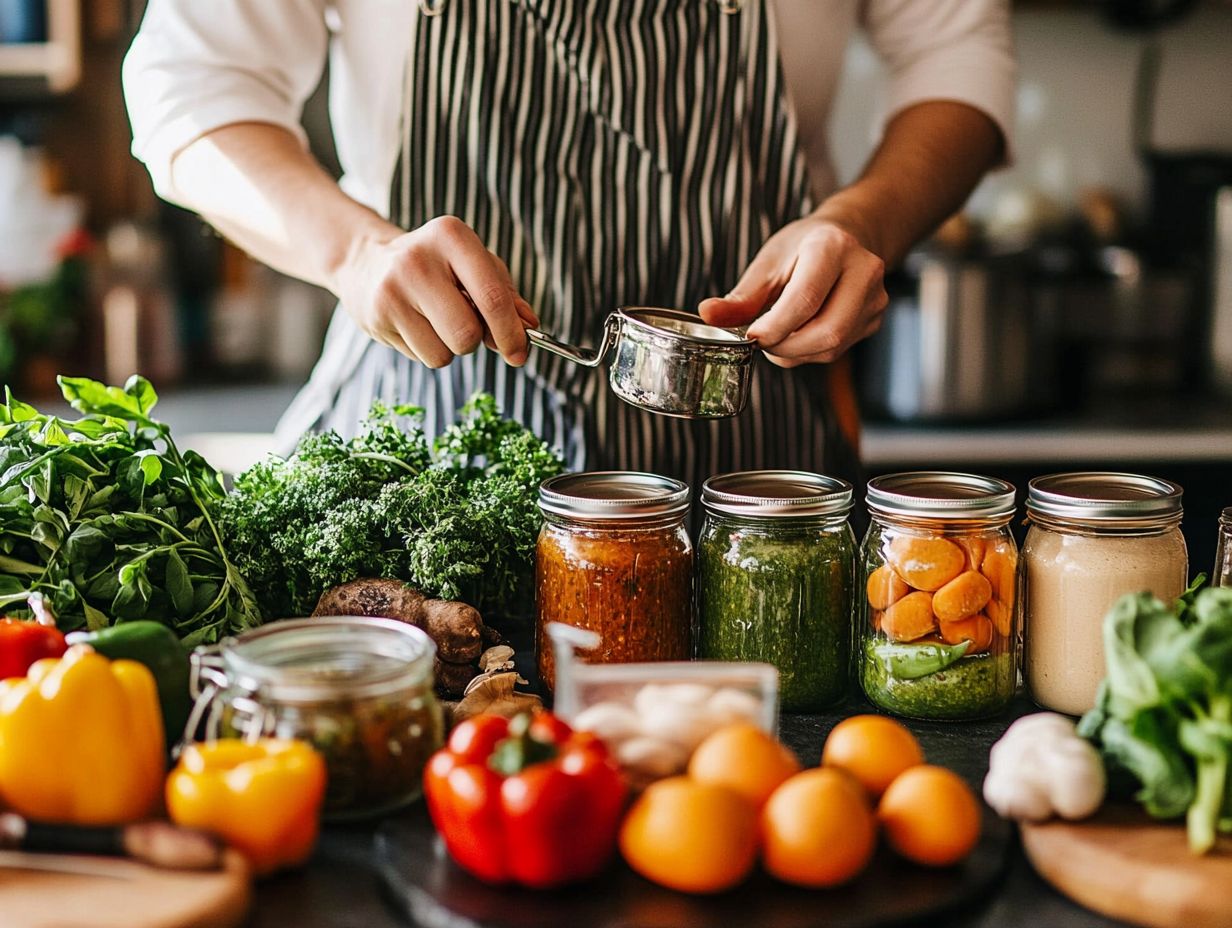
point(938, 632)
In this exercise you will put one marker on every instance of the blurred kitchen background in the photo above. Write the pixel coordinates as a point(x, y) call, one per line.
point(1077, 315)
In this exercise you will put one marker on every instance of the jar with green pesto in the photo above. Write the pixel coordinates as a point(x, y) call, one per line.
point(775, 572)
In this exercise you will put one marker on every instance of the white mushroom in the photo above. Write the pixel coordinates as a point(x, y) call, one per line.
point(1042, 767)
point(612, 722)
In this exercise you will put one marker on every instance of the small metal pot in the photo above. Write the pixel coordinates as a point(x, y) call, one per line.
point(668, 361)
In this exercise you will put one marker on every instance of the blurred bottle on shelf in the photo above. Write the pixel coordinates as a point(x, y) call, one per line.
point(1222, 575)
point(140, 330)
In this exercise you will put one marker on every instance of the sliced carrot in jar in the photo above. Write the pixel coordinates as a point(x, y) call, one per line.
point(909, 618)
point(973, 547)
point(875, 616)
point(965, 595)
point(885, 587)
point(1000, 566)
point(975, 628)
point(925, 563)
point(1002, 617)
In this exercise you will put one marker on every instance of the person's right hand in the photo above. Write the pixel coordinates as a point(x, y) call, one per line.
point(435, 293)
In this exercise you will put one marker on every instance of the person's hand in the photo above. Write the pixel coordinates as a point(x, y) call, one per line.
point(811, 293)
point(435, 293)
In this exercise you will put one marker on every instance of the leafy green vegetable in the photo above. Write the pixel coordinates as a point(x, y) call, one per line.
point(1164, 712)
point(456, 518)
point(110, 521)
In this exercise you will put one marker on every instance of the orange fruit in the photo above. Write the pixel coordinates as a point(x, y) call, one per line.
point(690, 836)
point(930, 816)
point(885, 587)
point(926, 563)
point(974, 628)
point(873, 749)
point(744, 758)
point(910, 618)
point(965, 595)
point(818, 829)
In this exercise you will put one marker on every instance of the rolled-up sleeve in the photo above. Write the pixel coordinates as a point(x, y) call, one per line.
point(197, 66)
point(959, 50)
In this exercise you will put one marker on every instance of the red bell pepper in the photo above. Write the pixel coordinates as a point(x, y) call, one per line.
point(24, 642)
point(527, 801)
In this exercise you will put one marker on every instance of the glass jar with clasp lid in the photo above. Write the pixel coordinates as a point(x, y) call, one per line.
point(358, 689)
point(938, 634)
point(775, 571)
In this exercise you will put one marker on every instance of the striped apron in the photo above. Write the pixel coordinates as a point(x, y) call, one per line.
point(613, 153)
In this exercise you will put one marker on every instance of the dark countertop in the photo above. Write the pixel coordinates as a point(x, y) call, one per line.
point(340, 887)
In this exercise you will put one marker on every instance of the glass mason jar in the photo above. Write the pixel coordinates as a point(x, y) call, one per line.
point(937, 635)
point(1222, 575)
point(1093, 538)
point(775, 569)
point(358, 689)
point(613, 556)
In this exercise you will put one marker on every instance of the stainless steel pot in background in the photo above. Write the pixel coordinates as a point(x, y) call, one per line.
point(975, 341)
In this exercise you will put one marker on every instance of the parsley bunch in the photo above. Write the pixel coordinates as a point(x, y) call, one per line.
point(456, 518)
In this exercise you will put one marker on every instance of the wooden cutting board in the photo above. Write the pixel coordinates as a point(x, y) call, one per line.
point(1126, 865)
point(104, 892)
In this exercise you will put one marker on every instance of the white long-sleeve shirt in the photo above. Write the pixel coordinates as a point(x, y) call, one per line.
point(198, 65)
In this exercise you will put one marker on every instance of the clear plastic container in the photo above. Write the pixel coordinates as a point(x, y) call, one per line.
point(938, 632)
point(652, 715)
point(358, 689)
point(775, 566)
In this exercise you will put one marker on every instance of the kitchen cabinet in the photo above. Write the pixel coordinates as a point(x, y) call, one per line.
point(54, 64)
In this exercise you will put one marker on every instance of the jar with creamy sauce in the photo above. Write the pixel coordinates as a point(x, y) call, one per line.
point(614, 557)
point(937, 635)
point(1093, 538)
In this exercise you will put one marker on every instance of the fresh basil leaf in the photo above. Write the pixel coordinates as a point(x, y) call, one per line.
point(93, 398)
point(95, 618)
point(38, 482)
point(1131, 684)
point(10, 585)
point(151, 466)
point(178, 584)
point(17, 411)
point(1154, 758)
point(130, 572)
point(142, 392)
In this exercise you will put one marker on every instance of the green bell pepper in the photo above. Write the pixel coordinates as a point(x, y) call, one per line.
point(157, 647)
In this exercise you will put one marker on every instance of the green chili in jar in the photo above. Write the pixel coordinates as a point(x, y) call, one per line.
point(776, 561)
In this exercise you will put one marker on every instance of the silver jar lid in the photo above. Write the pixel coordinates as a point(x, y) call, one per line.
point(1104, 498)
point(328, 657)
point(614, 495)
point(940, 495)
point(777, 494)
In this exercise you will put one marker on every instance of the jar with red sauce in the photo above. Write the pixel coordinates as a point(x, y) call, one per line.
point(614, 557)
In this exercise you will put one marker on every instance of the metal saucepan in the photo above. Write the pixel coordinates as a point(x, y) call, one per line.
point(668, 361)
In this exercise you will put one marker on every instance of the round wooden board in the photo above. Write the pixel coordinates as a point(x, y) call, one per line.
point(1126, 865)
point(118, 893)
point(435, 893)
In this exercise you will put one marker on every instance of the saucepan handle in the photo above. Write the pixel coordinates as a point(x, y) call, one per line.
point(587, 357)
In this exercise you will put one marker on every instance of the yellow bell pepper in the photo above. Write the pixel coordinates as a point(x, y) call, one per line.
point(263, 798)
point(81, 740)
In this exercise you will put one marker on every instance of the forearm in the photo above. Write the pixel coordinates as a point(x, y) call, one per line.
point(256, 184)
point(930, 159)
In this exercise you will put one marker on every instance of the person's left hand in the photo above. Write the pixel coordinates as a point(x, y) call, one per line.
point(812, 292)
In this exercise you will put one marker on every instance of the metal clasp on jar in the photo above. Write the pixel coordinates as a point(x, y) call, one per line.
point(207, 681)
